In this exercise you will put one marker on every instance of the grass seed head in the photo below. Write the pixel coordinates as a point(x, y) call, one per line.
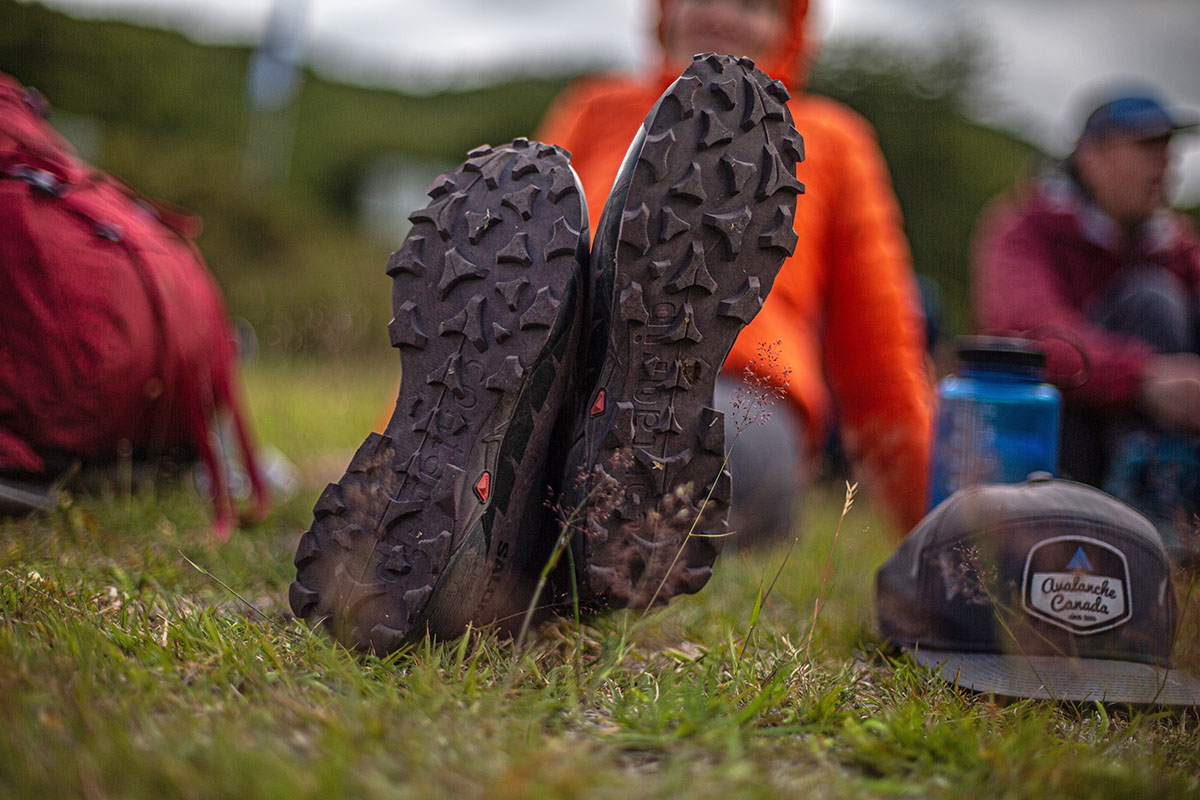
point(764, 382)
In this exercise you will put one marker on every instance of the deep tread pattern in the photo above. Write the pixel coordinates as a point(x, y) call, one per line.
point(521, 200)
point(563, 185)
point(563, 240)
point(717, 166)
point(478, 223)
point(781, 234)
point(635, 228)
point(633, 305)
point(516, 251)
point(743, 305)
point(694, 272)
point(542, 311)
point(671, 225)
point(469, 323)
point(726, 90)
point(442, 185)
point(738, 172)
point(458, 269)
point(511, 291)
point(330, 502)
point(307, 550)
point(691, 185)
point(386, 559)
point(406, 327)
point(658, 155)
point(408, 258)
point(685, 90)
point(508, 377)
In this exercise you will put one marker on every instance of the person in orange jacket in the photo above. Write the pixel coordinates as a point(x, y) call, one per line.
point(842, 325)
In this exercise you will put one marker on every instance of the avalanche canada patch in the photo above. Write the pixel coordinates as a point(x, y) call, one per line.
point(1077, 583)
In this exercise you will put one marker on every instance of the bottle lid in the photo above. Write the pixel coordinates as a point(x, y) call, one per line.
point(999, 351)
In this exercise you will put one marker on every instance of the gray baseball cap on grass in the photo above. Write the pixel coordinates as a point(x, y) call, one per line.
point(1047, 589)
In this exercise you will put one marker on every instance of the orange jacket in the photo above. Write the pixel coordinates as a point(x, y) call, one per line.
point(844, 307)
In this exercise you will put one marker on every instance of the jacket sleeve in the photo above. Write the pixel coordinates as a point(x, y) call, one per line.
point(874, 333)
point(1017, 291)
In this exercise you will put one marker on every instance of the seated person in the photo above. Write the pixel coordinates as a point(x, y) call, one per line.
point(1089, 259)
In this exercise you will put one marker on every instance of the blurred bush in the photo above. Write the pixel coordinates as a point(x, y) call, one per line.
point(291, 255)
point(173, 122)
point(944, 167)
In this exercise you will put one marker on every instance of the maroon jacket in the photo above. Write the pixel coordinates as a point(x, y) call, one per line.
point(1042, 255)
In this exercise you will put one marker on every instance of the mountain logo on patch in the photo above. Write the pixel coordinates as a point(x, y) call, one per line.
point(1080, 562)
point(1091, 594)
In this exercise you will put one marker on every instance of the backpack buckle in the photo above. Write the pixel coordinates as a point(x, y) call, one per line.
point(39, 179)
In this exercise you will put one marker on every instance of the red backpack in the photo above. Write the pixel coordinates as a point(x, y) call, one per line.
point(113, 336)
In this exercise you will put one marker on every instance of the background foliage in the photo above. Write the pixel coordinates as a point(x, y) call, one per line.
point(172, 121)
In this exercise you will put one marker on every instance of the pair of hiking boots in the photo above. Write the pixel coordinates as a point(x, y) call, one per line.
point(535, 366)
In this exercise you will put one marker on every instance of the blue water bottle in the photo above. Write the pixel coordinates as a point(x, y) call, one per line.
point(997, 420)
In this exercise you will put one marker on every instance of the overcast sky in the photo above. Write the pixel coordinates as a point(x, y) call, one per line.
point(1043, 52)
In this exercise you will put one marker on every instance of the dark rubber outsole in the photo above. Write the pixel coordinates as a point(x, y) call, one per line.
point(698, 225)
point(437, 522)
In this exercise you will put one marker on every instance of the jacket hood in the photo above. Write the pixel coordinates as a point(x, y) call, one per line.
point(1064, 196)
point(789, 65)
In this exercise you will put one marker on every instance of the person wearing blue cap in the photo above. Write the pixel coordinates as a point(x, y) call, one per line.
point(1089, 259)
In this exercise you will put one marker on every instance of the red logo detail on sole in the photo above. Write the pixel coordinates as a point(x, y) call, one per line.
point(483, 487)
point(598, 406)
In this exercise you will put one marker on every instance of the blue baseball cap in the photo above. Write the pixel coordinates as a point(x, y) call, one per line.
point(1140, 116)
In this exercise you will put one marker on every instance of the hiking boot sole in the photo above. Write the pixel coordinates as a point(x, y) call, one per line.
point(699, 222)
point(437, 521)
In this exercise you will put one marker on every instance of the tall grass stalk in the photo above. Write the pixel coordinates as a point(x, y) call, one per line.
point(851, 491)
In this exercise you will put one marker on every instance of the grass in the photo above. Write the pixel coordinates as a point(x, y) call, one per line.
point(138, 658)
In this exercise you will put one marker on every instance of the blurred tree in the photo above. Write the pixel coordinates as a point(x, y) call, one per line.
point(173, 120)
point(944, 167)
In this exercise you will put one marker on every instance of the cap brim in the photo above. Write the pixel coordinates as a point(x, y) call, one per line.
point(1075, 680)
point(1158, 131)
point(1182, 121)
